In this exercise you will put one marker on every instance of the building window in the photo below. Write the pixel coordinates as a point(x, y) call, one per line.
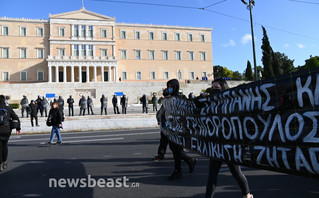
point(123, 34)
point(202, 38)
point(123, 54)
point(91, 31)
point(166, 76)
point(165, 55)
point(76, 30)
point(90, 50)
point(5, 76)
point(40, 75)
point(190, 37)
point(137, 35)
point(39, 31)
point(204, 74)
point(103, 33)
point(103, 52)
point(61, 52)
point(192, 75)
point(40, 53)
point(124, 75)
point(151, 35)
point(151, 54)
point(23, 75)
point(177, 36)
point(61, 32)
point(164, 36)
point(5, 30)
point(76, 50)
point(5, 52)
point(83, 50)
point(83, 31)
point(152, 75)
point(179, 74)
point(203, 56)
point(23, 31)
point(138, 75)
point(191, 56)
point(178, 55)
point(138, 54)
point(23, 53)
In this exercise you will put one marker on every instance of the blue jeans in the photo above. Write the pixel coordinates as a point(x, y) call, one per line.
point(55, 130)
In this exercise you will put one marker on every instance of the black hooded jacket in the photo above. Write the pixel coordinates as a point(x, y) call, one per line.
point(175, 85)
point(5, 130)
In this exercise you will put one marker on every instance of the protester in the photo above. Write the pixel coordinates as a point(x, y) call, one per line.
point(70, 102)
point(34, 112)
point(39, 103)
point(45, 104)
point(115, 105)
point(144, 101)
point(61, 103)
point(83, 105)
point(25, 106)
point(214, 165)
point(155, 102)
point(191, 96)
point(178, 154)
point(8, 121)
point(103, 101)
point(55, 120)
point(124, 101)
point(90, 105)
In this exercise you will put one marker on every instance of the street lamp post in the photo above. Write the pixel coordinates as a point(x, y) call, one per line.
point(249, 6)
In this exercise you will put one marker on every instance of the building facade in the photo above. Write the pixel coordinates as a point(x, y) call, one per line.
point(83, 46)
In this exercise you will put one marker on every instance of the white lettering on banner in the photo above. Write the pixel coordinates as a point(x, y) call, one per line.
point(305, 89)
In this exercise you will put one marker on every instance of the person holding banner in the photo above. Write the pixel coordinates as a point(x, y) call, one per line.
point(214, 165)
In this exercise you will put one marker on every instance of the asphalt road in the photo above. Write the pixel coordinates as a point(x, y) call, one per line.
point(101, 162)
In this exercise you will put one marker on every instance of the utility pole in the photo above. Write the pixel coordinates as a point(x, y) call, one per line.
point(249, 6)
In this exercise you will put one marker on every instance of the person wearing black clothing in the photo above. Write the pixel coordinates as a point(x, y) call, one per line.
point(61, 103)
point(39, 103)
point(45, 104)
point(214, 165)
point(144, 101)
point(10, 121)
point(115, 105)
point(178, 153)
point(124, 103)
point(103, 101)
point(83, 105)
point(90, 105)
point(24, 105)
point(34, 112)
point(155, 102)
point(56, 117)
point(70, 102)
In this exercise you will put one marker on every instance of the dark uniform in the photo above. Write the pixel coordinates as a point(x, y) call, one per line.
point(124, 101)
point(83, 105)
point(70, 102)
point(115, 105)
point(103, 101)
point(34, 112)
point(90, 105)
point(25, 105)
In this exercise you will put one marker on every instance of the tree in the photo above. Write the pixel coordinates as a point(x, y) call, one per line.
point(276, 63)
point(267, 55)
point(218, 70)
point(226, 73)
point(249, 73)
point(287, 64)
point(237, 76)
point(312, 62)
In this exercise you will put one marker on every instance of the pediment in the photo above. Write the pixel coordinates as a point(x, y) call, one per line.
point(82, 14)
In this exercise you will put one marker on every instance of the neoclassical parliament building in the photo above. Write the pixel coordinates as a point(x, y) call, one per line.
point(83, 46)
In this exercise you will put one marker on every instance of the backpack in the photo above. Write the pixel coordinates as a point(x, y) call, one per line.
point(49, 120)
point(3, 116)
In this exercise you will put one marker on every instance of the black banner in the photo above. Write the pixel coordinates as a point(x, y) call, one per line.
point(270, 124)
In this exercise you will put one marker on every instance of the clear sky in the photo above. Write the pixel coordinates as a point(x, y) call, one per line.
point(292, 25)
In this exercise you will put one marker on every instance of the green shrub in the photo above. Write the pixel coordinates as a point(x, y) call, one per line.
point(14, 105)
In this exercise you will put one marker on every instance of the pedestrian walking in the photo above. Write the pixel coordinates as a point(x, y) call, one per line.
point(83, 105)
point(124, 101)
point(103, 101)
point(214, 165)
point(90, 105)
point(155, 102)
point(24, 105)
point(45, 104)
point(8, 121)
point(55, 119)
point(115, 105)
point(144, 101)
point(33, 112)
point(70, 102)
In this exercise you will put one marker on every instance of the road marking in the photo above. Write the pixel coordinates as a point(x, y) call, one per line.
point(81, 137)
point(92, 140)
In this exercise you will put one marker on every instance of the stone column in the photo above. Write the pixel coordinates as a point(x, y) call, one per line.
point(87, 74)
point(56, 74)
point(110, 69)
point(80, 74)
point(102, 73)
point(50, 73)
point(95, 74)
point(72, 73)
point(64, 74)
point(115, 74)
